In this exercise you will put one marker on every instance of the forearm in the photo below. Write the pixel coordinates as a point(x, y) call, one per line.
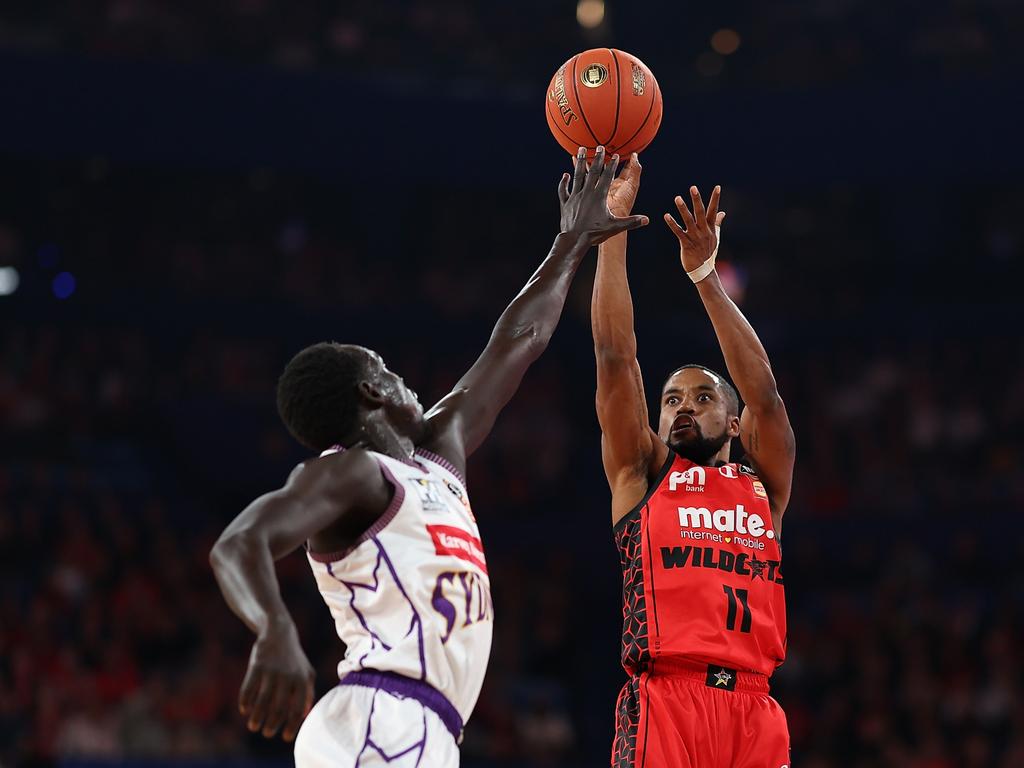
point(533, 314)
point(745, 357)
point(244, 567)
point(611, 309)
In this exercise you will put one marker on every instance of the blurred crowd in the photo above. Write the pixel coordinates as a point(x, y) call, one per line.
point(496, 45)
point(138, 418)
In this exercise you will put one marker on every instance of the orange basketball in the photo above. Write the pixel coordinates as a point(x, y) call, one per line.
point(604, 97)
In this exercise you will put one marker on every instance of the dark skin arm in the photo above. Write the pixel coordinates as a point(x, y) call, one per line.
point(765, 430)
point(342, 489)
point(346, 492)
point(461, 420)
point(631, 451)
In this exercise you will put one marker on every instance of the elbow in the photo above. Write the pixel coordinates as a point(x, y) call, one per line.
point(529, 337)
point(766, 404)
point(231, 547)
point(610, 356)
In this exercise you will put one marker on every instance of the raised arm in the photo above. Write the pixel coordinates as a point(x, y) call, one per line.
point(278, 686)
point(631, 451)
point(765, 429)
point(461, 421)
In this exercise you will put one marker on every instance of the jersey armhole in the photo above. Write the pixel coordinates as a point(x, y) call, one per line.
point(397, 499)
point(651, 488)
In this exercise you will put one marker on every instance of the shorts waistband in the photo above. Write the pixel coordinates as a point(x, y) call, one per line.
point(407, 688)
point(712, 675)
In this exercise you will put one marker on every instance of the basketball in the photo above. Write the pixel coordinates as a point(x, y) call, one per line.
point(604, 97)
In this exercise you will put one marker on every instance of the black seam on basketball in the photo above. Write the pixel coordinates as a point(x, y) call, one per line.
point(650, 109)
point(555, 122)
point(618, 96)
point(583, 113)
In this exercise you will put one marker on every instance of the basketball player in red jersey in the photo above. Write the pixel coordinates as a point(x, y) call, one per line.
point(698, 536)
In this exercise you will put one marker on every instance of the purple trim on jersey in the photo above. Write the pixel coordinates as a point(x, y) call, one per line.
point(406, 688)
point(416, 621)
point(352, 604)
point(342, 449)
point(443, 462)
point(377, 527)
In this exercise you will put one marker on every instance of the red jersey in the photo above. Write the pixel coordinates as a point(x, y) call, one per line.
point(701, 571)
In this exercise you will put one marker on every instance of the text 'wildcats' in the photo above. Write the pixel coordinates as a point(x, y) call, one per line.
point(723, 560)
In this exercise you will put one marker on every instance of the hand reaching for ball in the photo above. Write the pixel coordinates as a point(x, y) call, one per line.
point(585, 208)
point(698, 241)
point(622, 192)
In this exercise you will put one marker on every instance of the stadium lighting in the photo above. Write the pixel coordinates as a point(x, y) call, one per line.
point(590, 13)
point(725, 41)
point(63, 285)
point(9, 280)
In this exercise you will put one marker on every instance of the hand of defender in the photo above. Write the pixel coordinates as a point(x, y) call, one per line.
point(278, 686)
point(585, 209)
point(700, 237)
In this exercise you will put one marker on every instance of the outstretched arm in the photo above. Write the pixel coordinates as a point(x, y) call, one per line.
point(765, 429)
point(462, 420)
point(278, 687)
point(630, 449)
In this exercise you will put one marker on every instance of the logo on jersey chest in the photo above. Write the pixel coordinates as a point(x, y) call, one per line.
point(724, 525)
point(429, 492)
point(695, 478)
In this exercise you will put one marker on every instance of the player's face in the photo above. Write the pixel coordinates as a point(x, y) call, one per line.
point(695, 420)
point(404, 408)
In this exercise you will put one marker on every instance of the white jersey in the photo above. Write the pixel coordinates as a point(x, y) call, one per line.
point(412, 595)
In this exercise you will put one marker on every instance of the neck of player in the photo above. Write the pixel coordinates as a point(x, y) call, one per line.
point(378, 434)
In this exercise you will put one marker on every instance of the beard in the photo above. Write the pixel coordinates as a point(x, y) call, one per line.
point(698, 448)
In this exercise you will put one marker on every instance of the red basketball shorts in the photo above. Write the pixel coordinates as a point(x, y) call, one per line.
point(699, 716)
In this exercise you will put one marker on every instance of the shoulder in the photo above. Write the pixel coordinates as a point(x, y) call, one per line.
point(354, 474)
point(444, 438)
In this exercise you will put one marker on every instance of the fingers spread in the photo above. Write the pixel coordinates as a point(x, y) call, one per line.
point(719, 218)
point(609, 173)
point(712, 215)
point(563, 188)
point(698, 204)
point(300, 707)
point(597, 168)
point(635, 222)
point(633, 169)
point(684, 212)
point(677, 230)
point(581, 168)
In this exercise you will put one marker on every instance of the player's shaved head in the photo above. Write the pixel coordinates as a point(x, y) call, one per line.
point(732, 398)
point(318, 393)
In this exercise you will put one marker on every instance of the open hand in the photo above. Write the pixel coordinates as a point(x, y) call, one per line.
point(622, 192)
point(278, 686)
point(585, 210)
point(698, 242)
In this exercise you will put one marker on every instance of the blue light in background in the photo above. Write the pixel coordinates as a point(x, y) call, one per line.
point(63, 285)
point(48, 255)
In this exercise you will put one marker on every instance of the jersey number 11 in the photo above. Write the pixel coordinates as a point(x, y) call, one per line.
point(730, 618)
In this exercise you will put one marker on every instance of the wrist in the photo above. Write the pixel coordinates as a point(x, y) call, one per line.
point(571, 242)
point(275, 625)
point(710, 286)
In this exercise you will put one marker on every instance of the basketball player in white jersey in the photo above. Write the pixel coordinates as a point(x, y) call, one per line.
point(390, 535)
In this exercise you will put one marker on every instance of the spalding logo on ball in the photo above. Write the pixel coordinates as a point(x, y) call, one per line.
point(604, 97)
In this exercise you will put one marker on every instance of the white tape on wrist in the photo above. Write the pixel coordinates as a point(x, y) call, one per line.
point(708, 266)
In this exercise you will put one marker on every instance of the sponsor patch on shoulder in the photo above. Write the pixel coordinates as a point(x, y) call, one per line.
point(759, 489)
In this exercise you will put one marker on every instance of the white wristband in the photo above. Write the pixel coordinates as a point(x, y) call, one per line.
point(708, 266)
